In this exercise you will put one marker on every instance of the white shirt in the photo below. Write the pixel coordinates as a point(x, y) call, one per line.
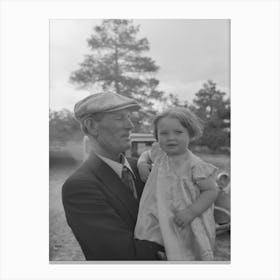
point(116, 166)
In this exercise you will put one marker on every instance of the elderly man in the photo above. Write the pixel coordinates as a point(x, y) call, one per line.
point(101, 198)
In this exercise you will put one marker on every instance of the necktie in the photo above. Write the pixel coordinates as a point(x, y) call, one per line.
point(127, 178)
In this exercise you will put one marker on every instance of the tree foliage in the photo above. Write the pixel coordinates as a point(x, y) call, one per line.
point(172, 100)
point(63, 126)
point(214, 110)
point(117, 63)
point(209, 104)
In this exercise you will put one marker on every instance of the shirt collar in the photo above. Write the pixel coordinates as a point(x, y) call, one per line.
point(116, 166)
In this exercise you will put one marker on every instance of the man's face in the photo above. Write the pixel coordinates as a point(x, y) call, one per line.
point(113, 131)
point(173, 138)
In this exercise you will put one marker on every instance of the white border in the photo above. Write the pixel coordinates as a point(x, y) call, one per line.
point(255, 138)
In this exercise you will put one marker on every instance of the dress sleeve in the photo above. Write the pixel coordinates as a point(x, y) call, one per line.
point(203, 170)
point(145, 157)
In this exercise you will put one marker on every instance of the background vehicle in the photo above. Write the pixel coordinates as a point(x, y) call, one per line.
point(140, 142)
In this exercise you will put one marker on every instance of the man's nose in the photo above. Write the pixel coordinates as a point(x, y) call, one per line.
point(129, 124)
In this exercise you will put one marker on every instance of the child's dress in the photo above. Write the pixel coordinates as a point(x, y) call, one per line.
point(165, 190)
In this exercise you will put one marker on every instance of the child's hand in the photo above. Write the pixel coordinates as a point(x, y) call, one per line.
point(184, 217)
point(144, 170)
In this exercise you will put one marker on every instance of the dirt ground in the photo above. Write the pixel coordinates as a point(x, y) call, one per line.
point(63, 245)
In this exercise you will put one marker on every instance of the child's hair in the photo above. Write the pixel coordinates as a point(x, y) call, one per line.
point(187, 119)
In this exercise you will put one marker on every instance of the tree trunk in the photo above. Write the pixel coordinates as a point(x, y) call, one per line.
point(117, 71)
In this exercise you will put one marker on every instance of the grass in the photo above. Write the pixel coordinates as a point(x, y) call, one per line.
point(63, 245)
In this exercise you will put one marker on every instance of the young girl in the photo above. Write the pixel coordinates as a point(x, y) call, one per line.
point(176, 207)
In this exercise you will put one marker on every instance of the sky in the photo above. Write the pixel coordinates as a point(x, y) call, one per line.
point(188, 53)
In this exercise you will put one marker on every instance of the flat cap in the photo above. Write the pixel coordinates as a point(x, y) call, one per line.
point(103, 102)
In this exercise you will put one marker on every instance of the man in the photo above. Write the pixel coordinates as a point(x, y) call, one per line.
point(101, 198)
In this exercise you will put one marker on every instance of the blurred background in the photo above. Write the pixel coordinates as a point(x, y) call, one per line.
point(160, 63)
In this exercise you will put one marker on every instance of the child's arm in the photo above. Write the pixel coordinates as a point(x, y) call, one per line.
point(208, 195)
point(144, 165)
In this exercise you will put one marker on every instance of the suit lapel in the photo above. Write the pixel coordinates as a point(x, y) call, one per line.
point(113, 184)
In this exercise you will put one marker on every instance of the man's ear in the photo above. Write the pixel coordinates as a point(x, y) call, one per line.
point(92, 126)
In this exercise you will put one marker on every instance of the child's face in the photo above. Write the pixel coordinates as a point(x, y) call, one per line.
point(173, 138)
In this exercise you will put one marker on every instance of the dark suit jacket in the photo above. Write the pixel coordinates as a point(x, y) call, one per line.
point(102, 213)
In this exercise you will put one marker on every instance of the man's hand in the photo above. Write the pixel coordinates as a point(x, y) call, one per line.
point(183, 217)
point(144, 170)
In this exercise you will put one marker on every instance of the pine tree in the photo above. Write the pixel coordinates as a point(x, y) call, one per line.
point(117, 64)
point(214, 110)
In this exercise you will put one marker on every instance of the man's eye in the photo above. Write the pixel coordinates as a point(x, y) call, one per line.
point(179, 131)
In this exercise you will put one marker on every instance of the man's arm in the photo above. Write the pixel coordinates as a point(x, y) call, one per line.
point(101, 231)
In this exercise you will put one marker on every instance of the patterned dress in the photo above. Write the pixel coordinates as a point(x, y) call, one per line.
point(166, 189)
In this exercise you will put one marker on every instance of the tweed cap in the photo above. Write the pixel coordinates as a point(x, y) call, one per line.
point(103, 102)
